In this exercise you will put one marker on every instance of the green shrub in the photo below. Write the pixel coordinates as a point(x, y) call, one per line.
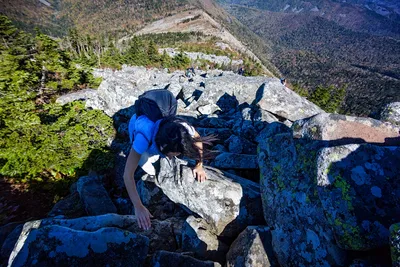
point(57, 139)
point(328, 98)
point(43, 142)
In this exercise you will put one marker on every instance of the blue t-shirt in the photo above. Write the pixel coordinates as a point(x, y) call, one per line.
point(140, 139)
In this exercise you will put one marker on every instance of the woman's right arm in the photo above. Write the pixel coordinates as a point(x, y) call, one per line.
point(141, 212)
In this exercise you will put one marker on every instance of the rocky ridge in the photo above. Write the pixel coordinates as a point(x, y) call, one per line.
point(200, 20)
point(222, 60)
point(292, 185)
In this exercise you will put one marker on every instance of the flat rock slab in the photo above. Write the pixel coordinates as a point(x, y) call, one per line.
point(252, 248)
point(346, 129)
point(94, 196)
point(227, 202)
point(170, 259)
point(359, 188)
point(61, 246)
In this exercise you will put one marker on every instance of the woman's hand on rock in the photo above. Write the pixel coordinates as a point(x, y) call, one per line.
point(199, 173)
point(143, 217)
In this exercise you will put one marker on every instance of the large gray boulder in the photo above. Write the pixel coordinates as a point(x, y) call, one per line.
point(163, 235)
point(196, 56)
point(395, 244)
point(198, 237)
point(252, 248)
point(120, 89)
point(113, 95)
point(70, 207)
point(359, 188)
point(241, 88)
point(227, 202)
point(170, 259)
point(175, 89)
point(301, 234)
point(346, 130)
point(94, 196)
point(280, 100)
point(56, 245)
point(391, 113)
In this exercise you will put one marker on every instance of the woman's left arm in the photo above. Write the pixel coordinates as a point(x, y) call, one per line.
point(198, 170)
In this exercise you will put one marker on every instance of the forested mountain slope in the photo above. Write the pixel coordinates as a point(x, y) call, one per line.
point(55, 17)
point(110, 20)
point(375, 17)
point(311, 50)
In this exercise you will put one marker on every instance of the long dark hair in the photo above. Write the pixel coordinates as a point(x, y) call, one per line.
point(172, 136)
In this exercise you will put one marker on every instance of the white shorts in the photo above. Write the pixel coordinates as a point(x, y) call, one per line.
point(146, 162)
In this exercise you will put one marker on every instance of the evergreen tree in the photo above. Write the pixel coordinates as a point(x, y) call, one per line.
point(111, 57)
point(136, 54)
point(152, 52)
point(166, 61)
point(329, 98)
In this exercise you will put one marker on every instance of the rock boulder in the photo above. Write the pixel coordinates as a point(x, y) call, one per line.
point(301, 234)
point(94, 196)
point(56, 245)
point(227, 202)
point(359, 188)
point(252, 248)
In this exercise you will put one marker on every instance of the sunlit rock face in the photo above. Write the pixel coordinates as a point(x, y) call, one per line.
point(227, 202)
point(301, 234)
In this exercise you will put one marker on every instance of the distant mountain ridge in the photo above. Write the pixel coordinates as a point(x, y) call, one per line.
point(378, 17)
